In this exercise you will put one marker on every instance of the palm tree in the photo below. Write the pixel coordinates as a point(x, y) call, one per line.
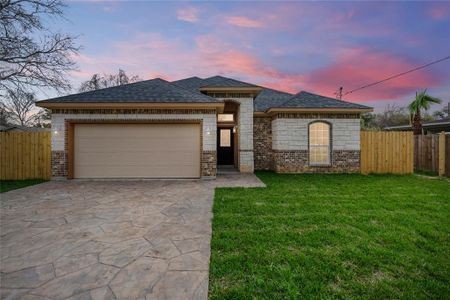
point(422, 101)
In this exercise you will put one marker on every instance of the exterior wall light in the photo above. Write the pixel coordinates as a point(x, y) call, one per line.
point(56, 129)
point(208, 130)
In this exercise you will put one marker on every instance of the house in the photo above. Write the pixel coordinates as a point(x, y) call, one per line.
point(189, 127)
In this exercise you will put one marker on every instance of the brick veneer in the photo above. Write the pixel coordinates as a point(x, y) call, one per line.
point(209, 164)
point(59, 164)
point(296, 161)
point(262, 143)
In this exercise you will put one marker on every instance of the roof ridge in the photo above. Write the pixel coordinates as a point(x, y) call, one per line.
point(230, 79)
point(278, 91)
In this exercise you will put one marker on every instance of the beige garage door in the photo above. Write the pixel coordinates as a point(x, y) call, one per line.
point(136, 150)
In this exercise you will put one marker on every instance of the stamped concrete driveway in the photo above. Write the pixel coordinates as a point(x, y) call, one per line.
point(109, 239)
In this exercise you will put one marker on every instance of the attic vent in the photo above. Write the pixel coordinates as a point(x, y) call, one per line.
point(229, 95)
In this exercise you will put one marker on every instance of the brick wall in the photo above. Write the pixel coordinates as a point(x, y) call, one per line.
point(59, 164)
point(209, 164)
point(290, 143)
point(292, 133)
point(262, 143)
point(296, 161)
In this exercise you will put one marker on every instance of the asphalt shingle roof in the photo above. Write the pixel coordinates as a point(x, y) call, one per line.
point(310, 100)
point(191, 83)
point(188, 91)
point(268, 98)
point(220, 81)
point(264, 100)
point(154, 90)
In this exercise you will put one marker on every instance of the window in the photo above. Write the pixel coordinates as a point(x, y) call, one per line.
point(319, 143)
point(225, 137)
point(225, 117)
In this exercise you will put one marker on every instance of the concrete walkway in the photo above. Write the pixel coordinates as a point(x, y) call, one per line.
point(109, 239)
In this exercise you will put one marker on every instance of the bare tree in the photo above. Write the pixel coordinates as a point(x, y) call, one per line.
point(98, 81)
point(31, 56)
point(19, 107)
point(5, 116)
point(391, 116)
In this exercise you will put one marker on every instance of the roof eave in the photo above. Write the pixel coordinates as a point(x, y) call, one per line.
point(131, 105)
point(317, 110)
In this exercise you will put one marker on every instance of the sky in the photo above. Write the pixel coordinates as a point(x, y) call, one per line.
point(290, 46)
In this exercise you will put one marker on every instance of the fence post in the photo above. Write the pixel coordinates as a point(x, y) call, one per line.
point(442, 154)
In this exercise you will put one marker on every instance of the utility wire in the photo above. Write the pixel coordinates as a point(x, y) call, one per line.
point(398, 75)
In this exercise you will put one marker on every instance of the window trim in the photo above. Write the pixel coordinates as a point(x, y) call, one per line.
point(330, 146)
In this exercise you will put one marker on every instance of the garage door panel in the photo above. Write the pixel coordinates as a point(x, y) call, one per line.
point(98, 158)
point(136, 150)
point(136, 172)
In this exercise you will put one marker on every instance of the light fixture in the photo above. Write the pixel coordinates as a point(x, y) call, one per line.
point(56, 129)
point(234, 129)
point(208, 130)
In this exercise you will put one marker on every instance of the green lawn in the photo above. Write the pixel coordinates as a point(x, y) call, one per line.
point(9, 185)
point(332, 236)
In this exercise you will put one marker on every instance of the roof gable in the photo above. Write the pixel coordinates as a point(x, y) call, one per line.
point(309, 100)
point(191, 83)
point(268, 98)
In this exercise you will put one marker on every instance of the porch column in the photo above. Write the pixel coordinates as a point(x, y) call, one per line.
point(245, 129)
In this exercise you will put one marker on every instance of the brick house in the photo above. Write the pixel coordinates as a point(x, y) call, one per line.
point(191, 127)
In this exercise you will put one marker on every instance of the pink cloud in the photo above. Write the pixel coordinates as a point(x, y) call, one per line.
point(359, 66)
point(188, 14)
point(241, 21)
point(440, 11)
point(219, 56)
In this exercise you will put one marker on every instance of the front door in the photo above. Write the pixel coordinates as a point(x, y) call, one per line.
point(225, 146)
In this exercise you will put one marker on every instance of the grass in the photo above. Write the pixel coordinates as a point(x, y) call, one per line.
point(332, 236)
point(426, 173)
point(9, 185)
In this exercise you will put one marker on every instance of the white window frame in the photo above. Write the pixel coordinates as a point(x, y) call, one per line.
point(318, 146)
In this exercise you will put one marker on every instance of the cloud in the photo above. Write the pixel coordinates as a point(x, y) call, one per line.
point(188, 14)
point(243, 22)
point(220, 56)
point(440, 11)
point(356, 67)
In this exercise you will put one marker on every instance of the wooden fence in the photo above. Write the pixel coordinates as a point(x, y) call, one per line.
point(387, 152)
point(25, 155)
point(431, 153)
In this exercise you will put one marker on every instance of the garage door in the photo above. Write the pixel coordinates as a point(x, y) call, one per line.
point(136, 150)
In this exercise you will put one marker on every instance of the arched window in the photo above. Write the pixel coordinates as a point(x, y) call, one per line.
point(319, 143)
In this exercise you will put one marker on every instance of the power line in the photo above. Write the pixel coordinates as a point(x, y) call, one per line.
point(398, 75)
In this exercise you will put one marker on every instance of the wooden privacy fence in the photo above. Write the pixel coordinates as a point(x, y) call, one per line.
point(25, 155)
point(387, 152)
point(432, 153)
